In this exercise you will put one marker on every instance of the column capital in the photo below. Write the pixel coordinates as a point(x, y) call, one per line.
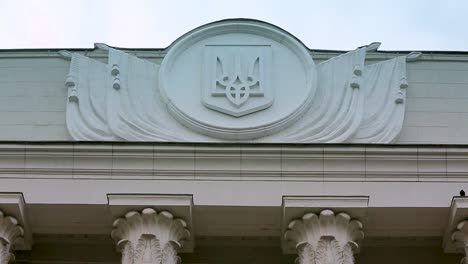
point(13, 204)
point(325, 238)
point(460, 239)
point(149, 236)
point(456, 234)
point(180, 205)
point(314, 230)
point(11, 233)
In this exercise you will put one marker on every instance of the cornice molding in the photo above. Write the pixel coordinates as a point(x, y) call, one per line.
point(230, 161)
point(161, 53)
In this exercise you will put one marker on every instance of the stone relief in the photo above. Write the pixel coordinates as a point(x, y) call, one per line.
point(149, 237)
point(237, 81)
point(327, 251)
point(237, 74)
point(325, 238)
point(460, 237)
point(235, 88)
point(10, 234)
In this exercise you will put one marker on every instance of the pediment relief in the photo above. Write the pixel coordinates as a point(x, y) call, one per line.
point(237, 80)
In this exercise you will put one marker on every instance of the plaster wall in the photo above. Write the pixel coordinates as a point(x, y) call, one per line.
point(33, 97)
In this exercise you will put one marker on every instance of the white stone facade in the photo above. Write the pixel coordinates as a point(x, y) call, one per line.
point(219, 176)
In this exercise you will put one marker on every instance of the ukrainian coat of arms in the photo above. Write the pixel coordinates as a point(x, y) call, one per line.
point(236, 78)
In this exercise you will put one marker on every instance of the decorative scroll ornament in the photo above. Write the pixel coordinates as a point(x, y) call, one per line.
point(460, 237)
point(326, 238)
point(149, 237)
point(237, 81)
point(10, 234)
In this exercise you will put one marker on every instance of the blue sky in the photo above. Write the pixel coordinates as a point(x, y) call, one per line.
point(325, 24)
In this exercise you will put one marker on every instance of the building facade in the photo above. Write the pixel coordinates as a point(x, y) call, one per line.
point(236, 144)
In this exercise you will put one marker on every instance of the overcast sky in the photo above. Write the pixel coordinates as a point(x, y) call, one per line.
point(325, 24)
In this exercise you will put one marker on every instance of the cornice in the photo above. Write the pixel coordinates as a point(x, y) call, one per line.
point(161, 53)
point(275, 162)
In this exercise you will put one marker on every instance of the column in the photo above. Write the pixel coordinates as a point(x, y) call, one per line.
point(10, 234)
point(326, 238)
point(456, 236)
point(149, 237)
point(460, 238)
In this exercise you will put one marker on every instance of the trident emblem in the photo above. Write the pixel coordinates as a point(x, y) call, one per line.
point(237, 88)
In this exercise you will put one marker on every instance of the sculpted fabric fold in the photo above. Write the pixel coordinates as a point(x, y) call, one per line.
point(218, 85)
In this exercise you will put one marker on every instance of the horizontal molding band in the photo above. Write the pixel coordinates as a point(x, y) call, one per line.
point(161, 53)
point(234, 162)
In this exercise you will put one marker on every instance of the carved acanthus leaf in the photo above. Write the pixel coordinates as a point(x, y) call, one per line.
point(10, 233)
point(140, 249)
point(127, 252)
point(5, 255)
point(347, 254)
point(460, 238)
point(328, 251)
point(325, 238)
point(156, 251)
point(161, 225)
point(148, 250)
point(169, 254)
point(306, 254)
point(324, 255)
point(149, 237)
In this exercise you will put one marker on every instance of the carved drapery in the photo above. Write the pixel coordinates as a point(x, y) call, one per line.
point(460, 237)
point(325, 238)
point(10, 234)
point(342, 99)
point(149, 237)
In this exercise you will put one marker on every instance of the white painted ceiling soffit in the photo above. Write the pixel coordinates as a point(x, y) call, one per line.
point(237, 81)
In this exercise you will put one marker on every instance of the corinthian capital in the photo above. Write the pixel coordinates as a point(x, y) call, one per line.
point(460, 239)
point(149, 237)
point(10, 234)
point(325, 238)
